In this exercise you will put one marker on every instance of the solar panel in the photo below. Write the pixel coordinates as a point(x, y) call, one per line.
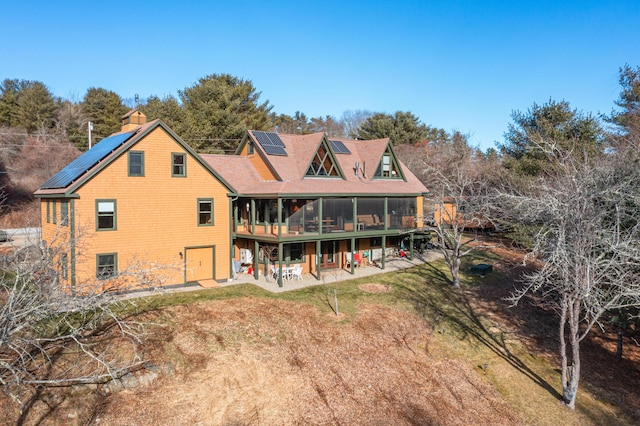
point(268, 138)
point(86, 161)
point(339, 147)
point(262, 138)
point(271, 143)
point(275, 139)
point(275, 150)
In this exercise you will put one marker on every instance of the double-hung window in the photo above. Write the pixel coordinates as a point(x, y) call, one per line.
point(205, 211)
point(105, 215)
point(106, 265)
point(178, 164)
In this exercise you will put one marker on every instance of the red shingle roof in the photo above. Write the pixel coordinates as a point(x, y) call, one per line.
point(240, 173)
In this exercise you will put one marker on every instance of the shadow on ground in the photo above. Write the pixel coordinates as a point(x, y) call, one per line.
point(445, 306)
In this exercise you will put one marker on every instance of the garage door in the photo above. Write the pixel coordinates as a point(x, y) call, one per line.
point(199, 264)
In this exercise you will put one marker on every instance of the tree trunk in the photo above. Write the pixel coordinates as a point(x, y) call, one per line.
point(571, 377)
point(563, 345)
point(455, 271)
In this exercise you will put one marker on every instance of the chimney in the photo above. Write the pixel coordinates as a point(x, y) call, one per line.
point(133, 119)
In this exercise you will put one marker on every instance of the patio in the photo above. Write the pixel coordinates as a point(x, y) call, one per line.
point(334, 275)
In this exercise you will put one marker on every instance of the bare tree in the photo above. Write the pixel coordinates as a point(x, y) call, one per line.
point(586, 250)
point(352, 120)
point(269, 253)
point(48, 337)
point(454, 174)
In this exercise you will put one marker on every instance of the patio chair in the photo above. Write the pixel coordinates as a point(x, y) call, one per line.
point(296, 272)
point(351, 257)
point(286, 272)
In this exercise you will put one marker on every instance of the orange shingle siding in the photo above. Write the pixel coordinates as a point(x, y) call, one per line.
point(258, 163)
point(156, 214)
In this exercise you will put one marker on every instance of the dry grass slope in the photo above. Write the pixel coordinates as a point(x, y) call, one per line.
point(258, 361)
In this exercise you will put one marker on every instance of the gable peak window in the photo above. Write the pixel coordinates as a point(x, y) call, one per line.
point(323, 164)
point(178, 164)
point(136, 163)
point(388, 167)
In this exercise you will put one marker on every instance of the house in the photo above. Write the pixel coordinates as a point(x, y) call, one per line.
point(139, 197)
point(144, 195)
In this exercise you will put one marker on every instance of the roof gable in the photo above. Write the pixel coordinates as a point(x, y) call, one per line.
point(389, 166)
point(323, 163)
point(117, 145)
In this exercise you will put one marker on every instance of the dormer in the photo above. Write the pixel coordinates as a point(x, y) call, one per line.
point(133, 119)
point(389, 167)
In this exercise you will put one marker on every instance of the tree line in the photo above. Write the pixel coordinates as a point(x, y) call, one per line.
point(211, 115)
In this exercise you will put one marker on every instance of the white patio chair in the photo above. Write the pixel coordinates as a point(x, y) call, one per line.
point(296, 272)
point(350, 258)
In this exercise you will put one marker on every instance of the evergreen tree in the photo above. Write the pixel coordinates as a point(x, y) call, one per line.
point(27, 104)
point(629, 102)
point(168, 110)
point(104, 109)
point(401, 128)
point(533, 134)
point(37, 107)
point(219, 109)
point(9, 90)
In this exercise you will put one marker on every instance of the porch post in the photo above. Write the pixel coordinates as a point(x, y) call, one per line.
point(354, 201)
point(384, 249)
point(318, 258)
point(320, 215)
point(386, 213)
point(279, 217)
point(280, 249)
point(411, 247)
point(256, 264)
point(253, 217)
point(353, 260)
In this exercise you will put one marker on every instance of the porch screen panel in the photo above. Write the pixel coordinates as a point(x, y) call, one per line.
point(402, 212)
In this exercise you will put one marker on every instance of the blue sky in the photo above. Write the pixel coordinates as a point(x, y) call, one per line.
point(463, 65)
